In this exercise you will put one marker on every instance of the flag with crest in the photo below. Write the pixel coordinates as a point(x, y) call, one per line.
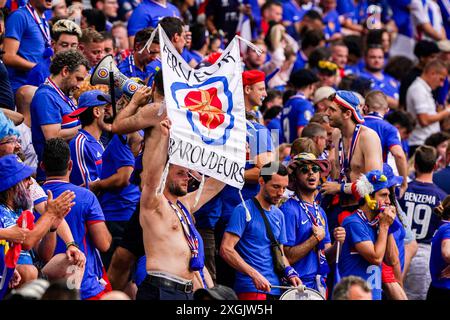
point(206, 107)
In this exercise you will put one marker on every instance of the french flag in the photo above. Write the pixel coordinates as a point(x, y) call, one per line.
point(9, 255)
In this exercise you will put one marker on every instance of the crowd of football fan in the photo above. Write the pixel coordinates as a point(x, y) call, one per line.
point(348, 153)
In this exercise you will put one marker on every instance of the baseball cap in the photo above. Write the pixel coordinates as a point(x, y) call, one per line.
point(322, 93)
point(349, 100)
point(90, 99)
point(218, 292)
point(12, 171)
point(303, 78)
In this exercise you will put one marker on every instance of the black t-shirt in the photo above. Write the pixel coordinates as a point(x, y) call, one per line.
point(226, 15)
point(406, 83)
point(6, 93)
point(133, 239)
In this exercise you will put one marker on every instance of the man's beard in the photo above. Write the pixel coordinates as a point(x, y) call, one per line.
point(176, 190)
point(269, 199)
point(22, 199)
point(371, 69)
point(67, 91)
point(304, 188)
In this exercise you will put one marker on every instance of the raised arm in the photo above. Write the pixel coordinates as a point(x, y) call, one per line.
point(211, 188)
point(16, 117)
point(154, 161)
point(252, 175)
point(138, 115)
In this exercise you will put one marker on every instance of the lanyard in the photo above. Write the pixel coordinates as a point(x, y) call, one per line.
point(50, 83)
point(42, 24)
point(314, 218)
point(373, 223)
point(345, 161)
point(187, 228)
point(323, 265)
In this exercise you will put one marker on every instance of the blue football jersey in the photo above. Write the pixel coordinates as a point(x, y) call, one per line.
point(295, 114)
point(418, 202)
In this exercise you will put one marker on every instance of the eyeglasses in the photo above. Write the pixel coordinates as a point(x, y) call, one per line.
point(304, 169)
point(11, 141)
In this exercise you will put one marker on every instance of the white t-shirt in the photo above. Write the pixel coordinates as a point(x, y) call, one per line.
point(419, 100)
point(27, 146)
point(425, 11)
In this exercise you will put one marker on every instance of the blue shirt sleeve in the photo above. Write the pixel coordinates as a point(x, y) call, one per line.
point(16, 24)
point(123, 156)
point(46, 110)
point(392, 137)
point(282, 237)
point(237, 222)
point(357, 233)
point(94, 211)
point(260, 141)
point(304, 116)
point(36, 76)
point(446, 234)
point(139, 19)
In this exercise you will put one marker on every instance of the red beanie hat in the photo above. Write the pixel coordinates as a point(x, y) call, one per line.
point(252, 76)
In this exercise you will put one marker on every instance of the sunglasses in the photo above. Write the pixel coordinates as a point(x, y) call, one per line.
point(304, 169)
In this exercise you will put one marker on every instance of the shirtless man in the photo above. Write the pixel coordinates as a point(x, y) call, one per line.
point(361, 151)
point(170, 239)
point(172, 265)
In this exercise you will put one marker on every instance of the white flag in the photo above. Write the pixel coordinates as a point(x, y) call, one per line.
point(206, 107)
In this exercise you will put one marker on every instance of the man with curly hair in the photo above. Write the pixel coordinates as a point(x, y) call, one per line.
point(52, 104)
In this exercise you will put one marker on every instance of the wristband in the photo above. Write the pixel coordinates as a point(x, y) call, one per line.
point(73, 243)
point(289, 272)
